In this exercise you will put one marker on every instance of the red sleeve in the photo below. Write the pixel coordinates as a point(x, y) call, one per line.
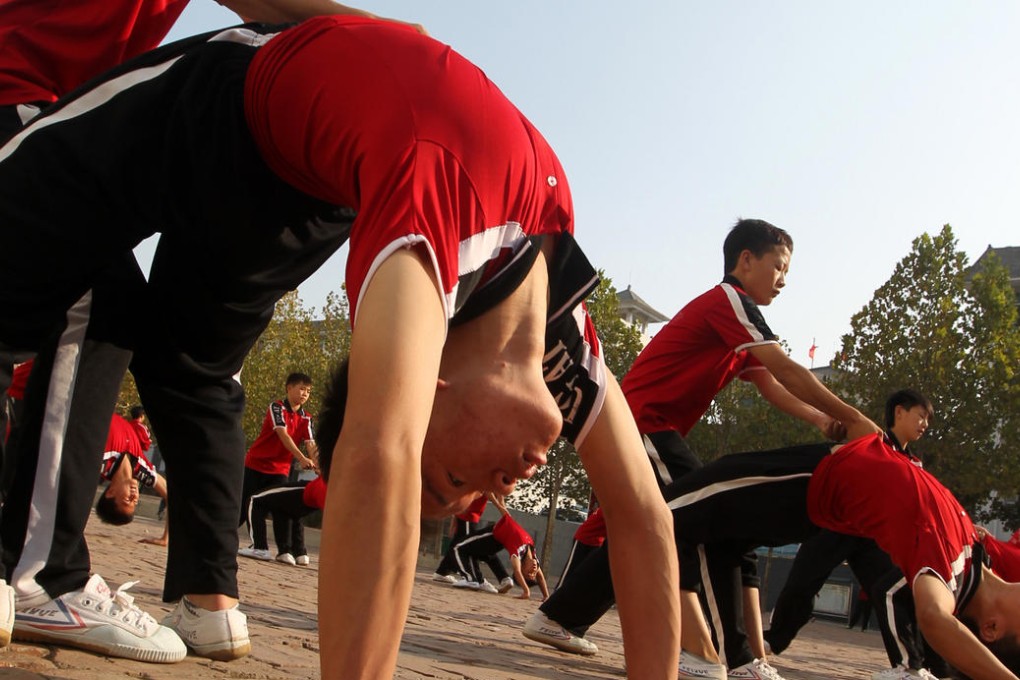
point(737, 319)
point(1005, 557)
point(315, 493)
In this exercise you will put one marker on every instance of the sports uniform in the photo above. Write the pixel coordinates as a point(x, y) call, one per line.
point(474, 184)
point(465, 524)
point(506, 534)
point(122, 441)
point(588, 537)
point(288, 504)
point(268, 461)
point(669, 387)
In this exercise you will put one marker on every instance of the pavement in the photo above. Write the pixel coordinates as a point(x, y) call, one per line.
point(450, 634)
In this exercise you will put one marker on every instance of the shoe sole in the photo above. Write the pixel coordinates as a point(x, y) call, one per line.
point(220, 653)
point(561, 645)
point(106, 649)
point(503, 590)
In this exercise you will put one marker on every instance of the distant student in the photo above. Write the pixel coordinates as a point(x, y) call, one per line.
point(464, 524)
point(589, 536)
point(284, 429)
point(288, 505)
point(507, 535)
point(126, 469)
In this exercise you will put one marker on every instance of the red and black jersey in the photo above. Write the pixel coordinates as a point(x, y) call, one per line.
point(421, 170)
point(675, 378)
point(512, 536)
point(142, 432)
point(1004, 557)
point(593, 530)
point(268, 454)
point(122, 441)
point(911, 516)
point(474, 511)
point(49, 48)
point(19, 380)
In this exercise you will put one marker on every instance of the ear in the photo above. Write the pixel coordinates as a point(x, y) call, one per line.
point(108, 493)
point(990, 629)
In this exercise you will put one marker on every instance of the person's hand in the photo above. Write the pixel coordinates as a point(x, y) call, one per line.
point(526, 595)
point(981, 533)
point(307, 463)
point(833, 430)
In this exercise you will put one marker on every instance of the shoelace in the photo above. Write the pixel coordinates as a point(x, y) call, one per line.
point(121, 606)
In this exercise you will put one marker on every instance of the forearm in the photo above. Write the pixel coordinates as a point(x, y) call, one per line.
point(385, 527)
point(963, 651)
point(641, 546)
point(785, 401)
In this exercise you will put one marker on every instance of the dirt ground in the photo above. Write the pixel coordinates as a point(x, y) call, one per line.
point(450, 634)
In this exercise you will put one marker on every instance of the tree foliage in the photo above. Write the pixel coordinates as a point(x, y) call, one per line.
point(954, 337)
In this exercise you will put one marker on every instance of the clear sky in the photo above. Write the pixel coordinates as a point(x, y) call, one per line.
point(856, 126)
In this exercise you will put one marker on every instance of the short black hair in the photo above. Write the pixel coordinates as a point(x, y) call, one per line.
point(298, 378)
point(107, 511)
point(1005, 649)
point(758, 236)
point(908, 399)
point(331, 416)
point(137, 412)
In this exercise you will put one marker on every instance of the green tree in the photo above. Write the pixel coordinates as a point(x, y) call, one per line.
point(956, 340)
point(562, 483)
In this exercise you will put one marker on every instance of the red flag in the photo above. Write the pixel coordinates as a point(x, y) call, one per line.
point(811, 352)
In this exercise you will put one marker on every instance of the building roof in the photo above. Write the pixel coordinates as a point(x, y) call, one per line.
point(631, 302)
point(1010, 258)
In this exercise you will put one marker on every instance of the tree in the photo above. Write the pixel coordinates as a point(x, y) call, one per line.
point(955, 340)
point(562, 482)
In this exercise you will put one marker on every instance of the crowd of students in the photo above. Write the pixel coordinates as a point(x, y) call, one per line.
point(471, 353)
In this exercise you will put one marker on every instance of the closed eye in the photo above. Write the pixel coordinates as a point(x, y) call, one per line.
point(454, 482)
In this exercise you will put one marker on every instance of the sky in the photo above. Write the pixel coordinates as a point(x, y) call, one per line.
point(856, 126)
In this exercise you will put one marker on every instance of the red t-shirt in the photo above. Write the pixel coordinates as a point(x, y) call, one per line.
point(122, 441)
point(512, 536)
point(430, 154)
point(867, 488)
point(48, 48)
point(474, 511)
point(675, 378)
point(593, 530)
point(19, 380)
point(268, 454)
point(314, 495)
point(1005, 558)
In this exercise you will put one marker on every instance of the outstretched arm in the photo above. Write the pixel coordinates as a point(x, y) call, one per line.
point(780, 397)
point(160, 488)
point(374, 492)
point(934, 606)
point(540, 577)
point(515, 564)
point(304, 461)
point(641, 546)
point(802, 384)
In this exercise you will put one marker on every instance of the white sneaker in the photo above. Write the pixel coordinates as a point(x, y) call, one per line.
point(444, 578)
point(902, 673)
point(464, 583)
point(6, 613)
point(95, 619)
point(286, 558)
point(487, 587)
point(220, 635)
point(505, 585)
point(759, 669)
point(541, 628)
point(302, 560)
point(255, 553)
point(693, 666)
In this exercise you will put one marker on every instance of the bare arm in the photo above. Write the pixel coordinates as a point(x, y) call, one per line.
point(374, 494)
point(160, 488)
point(642, 549)
point(934, 606)
point(780, 397)
point(540, 577)
point(802, 384)
point(288, 443)
point(279, 11)
point(515, 564)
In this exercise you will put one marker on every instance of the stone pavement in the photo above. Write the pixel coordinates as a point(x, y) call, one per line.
point(450, 634)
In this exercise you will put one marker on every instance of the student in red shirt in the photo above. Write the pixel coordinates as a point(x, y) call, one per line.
point(288, 504)
point(471, 349)
point(448, 571)
point(126, 469)
point(285, 429)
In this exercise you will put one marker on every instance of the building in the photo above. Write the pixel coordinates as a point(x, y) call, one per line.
point(638, 313)
point(1010, 258)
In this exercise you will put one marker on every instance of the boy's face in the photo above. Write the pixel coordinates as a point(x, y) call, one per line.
point(124, 494)
point(910, 424)
point(298, 393)
point(763, 277)
point(486, 432)
point(529, 567)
